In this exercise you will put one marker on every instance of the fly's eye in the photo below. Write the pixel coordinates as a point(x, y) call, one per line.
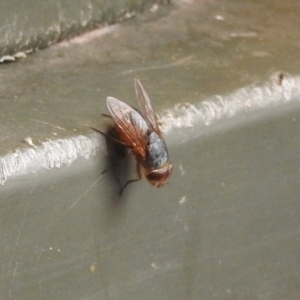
point(159, 177)
point(156, 175)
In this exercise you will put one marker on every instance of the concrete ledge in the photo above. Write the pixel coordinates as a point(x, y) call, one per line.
point(224, 78)
point(29, 25)
point(259, 100)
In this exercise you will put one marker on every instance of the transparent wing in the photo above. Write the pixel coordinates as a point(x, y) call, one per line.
point(146, 107)
point(132, 127)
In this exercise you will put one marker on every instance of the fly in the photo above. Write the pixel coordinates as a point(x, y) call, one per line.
point(138, 131)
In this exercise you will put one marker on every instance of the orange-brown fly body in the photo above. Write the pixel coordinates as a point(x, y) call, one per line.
point(138, 130)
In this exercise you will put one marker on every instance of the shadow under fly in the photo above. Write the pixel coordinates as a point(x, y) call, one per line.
point(119, 163)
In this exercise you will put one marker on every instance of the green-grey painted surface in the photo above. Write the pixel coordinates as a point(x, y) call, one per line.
point(26, 25)
point(223, 77)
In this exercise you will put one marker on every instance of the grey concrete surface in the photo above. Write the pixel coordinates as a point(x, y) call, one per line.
point(222, 76)
point(29, 25)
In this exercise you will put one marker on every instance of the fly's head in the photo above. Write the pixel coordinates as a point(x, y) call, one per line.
point(158, 177)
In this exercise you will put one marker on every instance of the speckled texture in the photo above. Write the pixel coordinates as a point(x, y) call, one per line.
point(224, 78)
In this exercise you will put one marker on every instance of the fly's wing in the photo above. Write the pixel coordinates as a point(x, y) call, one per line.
point(133, 128)
point(146, 107)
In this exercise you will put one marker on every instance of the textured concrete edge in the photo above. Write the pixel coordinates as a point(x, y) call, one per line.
point(55, 153)
point(51, 154)
point(21, 41)
point(281, 88)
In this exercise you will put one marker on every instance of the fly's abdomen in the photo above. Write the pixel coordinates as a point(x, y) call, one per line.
point(157, 153)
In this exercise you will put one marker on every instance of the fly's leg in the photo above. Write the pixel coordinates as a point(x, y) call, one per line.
point(109, 136)
point(138, 170)
point(126, 184)
point(106, 116)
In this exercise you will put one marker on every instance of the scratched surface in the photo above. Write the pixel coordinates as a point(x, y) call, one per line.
point(225, 227)
point(212, 50)
point(227, 224)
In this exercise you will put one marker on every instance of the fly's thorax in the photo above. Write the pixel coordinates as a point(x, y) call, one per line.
point(157, 153)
